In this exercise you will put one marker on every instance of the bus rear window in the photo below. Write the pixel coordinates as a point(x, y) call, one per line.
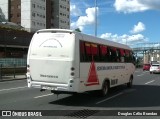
point(52, 45)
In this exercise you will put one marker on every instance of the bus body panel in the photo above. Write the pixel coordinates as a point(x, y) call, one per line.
point(117, 73)
point(45, 70)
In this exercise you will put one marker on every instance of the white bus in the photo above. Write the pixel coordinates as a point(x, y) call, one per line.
point(65, 61)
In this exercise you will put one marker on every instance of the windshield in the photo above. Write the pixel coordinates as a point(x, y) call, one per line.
point(52, 45)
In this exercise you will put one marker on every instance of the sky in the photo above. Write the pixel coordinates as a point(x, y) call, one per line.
point(130, 22)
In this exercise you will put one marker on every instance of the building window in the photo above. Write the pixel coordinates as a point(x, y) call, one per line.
point(33, 14)
point(12, 7)
point(18, 15)
point(33, 5)
point(11, 15)
point(19, 6)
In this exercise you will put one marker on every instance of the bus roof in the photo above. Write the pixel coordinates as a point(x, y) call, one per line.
point(88, 38)
point(105, 42)
point(57, 30)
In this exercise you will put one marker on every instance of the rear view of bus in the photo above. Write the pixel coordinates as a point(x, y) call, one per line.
point(50, 61)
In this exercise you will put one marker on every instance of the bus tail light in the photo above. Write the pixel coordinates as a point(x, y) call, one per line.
point(72, 71)
point(72, 68)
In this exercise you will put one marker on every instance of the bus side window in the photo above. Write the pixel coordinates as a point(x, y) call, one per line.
point(109, 54)
point(131, 57)
point(103, 53)
point(88, 52)
point(122, 55)
point(126, 56)
point(113, 55)
point(118, 55)
point(82, 52)
point(95, 52)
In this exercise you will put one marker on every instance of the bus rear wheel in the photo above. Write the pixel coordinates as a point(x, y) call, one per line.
point(105, 89)
point(130, 83)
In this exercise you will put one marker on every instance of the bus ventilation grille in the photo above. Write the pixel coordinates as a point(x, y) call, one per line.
point(82, 113)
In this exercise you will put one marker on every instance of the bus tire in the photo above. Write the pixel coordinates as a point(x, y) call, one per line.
point(130, 83)
point(105, 89)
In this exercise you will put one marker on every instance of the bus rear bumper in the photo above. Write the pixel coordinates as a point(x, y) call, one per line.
point(54, 87)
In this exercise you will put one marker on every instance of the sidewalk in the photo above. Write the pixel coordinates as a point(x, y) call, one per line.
point(12, 78)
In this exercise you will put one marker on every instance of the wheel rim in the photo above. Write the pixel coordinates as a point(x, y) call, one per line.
point(131, 81)
point(105, 88)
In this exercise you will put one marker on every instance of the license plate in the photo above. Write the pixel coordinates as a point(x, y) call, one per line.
point(48, 87)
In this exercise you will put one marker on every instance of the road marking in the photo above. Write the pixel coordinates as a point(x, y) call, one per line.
point(138, 71)
point(140, 75)
point(150, 82)
point(145, 72)
point(43, 96)
point(13, 88)
point(110, 98)
point(129, 90)
point(125, 91)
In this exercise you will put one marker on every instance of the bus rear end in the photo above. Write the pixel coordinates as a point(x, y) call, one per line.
point(50, 61)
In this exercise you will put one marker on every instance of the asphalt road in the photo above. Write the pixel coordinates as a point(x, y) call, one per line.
point(144, 95)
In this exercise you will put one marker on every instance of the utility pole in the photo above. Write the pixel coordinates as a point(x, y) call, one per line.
point(95, 17)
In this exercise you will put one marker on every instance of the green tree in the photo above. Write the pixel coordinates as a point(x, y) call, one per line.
point(2, 16)
point(78, 30)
